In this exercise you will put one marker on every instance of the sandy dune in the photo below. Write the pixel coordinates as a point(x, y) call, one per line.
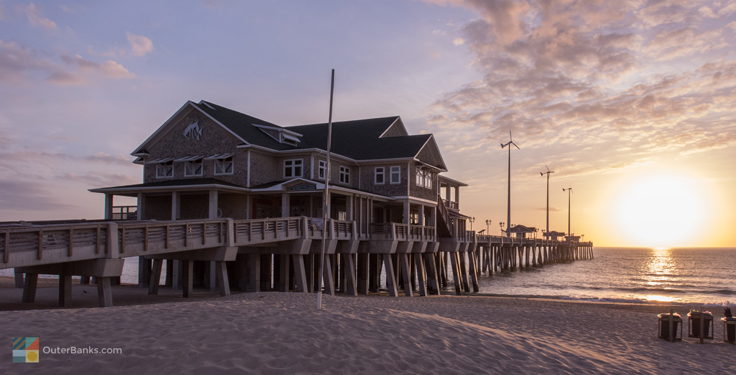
point(280, 333)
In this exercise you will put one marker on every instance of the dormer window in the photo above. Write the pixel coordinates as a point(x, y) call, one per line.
point(165, 169)
point(223, 164)
point(293, 168)
point(279, 134)
point(193, 168)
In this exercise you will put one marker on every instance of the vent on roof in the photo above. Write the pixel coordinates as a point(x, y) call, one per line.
point(280, 134)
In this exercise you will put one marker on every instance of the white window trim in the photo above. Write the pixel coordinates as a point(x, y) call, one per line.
point(391, 174)
point(321, 167)
point(201, 168)
point(232, 169)
point(160, 164)
point(293, 166)
point(375, 175)
point(344, 171)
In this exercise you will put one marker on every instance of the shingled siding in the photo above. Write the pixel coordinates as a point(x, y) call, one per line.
point(394, 190)
point(214, 140)
point(265, 168)
point(335, 165)
point(419, 191)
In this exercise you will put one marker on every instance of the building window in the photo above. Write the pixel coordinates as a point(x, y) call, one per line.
point(224, 166)
point(193, 168)
point(379, 175)
point(344, 175)
point(424, 178)
point(164, 170)
point(395, 174)
point(321, 169)
point(293, 167)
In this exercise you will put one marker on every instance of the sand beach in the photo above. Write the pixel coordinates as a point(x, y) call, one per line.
point(283, 333)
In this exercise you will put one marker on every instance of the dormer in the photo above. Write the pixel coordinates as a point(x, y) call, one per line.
point(281, 135)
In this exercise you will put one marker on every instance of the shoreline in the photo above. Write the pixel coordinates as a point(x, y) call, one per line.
point(47, 300)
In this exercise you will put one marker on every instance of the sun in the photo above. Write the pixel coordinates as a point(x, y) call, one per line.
point(660, 211)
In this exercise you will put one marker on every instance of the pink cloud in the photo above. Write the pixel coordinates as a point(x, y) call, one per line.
point(33, 14)
point(139, 44)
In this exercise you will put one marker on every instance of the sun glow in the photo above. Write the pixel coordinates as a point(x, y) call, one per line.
point(661, 212)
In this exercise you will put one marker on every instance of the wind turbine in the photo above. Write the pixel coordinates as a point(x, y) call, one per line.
point(569, 192)
point(508, 194)
point(542, 174)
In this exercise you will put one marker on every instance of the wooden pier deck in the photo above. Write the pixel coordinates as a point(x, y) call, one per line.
point(270, 254)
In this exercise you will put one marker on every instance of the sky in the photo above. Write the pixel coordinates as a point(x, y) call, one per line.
point(630, 103)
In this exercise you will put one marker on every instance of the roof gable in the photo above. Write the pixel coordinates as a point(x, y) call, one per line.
point(175, 120)
point(430, 154)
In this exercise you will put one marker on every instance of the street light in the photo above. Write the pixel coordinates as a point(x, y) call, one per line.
point(500, 224)
point(472, 220)
point(488, 226)
point(569, 192)
point(542, 174)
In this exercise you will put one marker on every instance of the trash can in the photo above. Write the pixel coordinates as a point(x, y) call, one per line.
point(729, 330)
point(698, 320)
point(668, 326)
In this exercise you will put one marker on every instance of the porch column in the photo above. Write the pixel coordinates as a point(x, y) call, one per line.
point(108, 206)
point(212, 213)
point(141, 206)
point(349, 207)
point(457, 197)
point(421, 215)
point(248, 206)
point(448, 189)
point(174, 205)
point(407, 211)
point(285, 205)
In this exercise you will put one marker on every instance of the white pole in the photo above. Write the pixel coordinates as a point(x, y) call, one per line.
point(325, 200)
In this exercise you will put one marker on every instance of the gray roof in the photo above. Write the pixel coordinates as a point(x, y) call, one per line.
point(356, 139)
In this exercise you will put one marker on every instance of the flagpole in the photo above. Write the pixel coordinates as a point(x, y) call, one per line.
point(325, 200)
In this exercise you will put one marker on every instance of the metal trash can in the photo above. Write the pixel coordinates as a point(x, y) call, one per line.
point(700, 325)
point(729, 330)
point(667, 326)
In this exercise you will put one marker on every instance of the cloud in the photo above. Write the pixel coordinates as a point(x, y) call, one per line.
point(19, 64)
point(458, 41)
point(27, 195)
point(592, 85)
point(139, 44)
point(33, 14)
point(109, 68)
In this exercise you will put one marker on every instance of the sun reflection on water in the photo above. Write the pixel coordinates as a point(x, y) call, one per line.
point(659, 271)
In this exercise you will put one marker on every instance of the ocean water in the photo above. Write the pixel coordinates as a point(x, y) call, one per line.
point(683, 275)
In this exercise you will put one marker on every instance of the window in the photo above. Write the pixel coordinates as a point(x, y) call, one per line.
point(321, 169)
point(193, 168)
point(224, 166)
point(379, 175)
point(424, 178)
point(293, 167)
point(344, 175)
point(164, 170)
point(396, 174)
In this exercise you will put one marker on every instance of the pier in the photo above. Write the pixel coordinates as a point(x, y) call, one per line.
point(270, 254)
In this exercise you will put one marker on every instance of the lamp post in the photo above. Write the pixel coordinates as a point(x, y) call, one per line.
point(569, 193)
point(488, 226)
point(472, 220)
point(500, 224)
point(542, 174)
point(508, 192)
